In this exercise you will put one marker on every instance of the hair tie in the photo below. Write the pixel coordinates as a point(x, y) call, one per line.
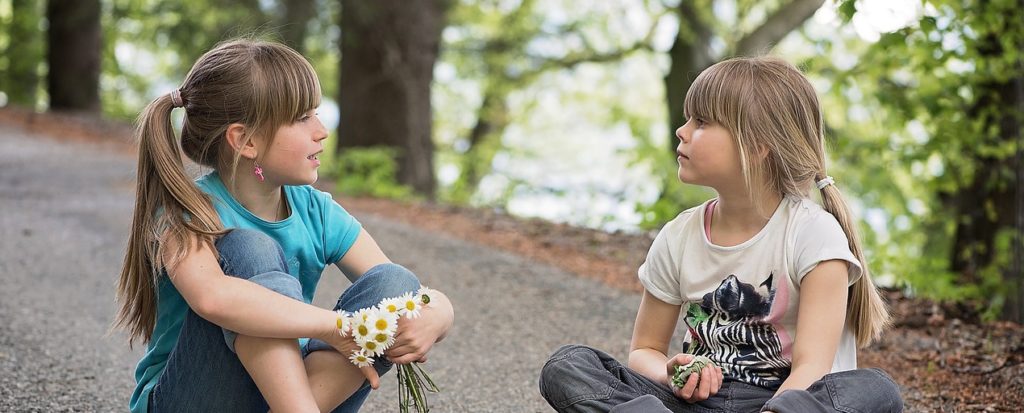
point(176, 99)
point(826, 181)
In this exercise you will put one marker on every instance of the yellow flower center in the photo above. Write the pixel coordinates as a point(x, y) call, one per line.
point(392, 308)
point(381, 338)
point(382, 324)
point(371, 345)
point(410, 305)
point(363, 330)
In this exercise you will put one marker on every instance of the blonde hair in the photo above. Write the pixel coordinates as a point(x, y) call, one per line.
point(262, 85)
point(772, 111)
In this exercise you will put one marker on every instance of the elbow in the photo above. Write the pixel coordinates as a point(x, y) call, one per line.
point(632, 360)
point(209, 306)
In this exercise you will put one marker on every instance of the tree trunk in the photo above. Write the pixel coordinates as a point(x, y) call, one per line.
point(484, 142)
point(73, 57)
point(691, 52)
point(1014, 308)
point(297, 14)
point(992, 202)
point(24, 54)
point(690, 55)
point(388, 50)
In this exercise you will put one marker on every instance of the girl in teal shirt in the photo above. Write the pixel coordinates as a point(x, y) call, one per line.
point(220, 272)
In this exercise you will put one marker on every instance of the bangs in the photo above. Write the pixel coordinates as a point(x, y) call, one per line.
point(716, 93)
point(286, 88)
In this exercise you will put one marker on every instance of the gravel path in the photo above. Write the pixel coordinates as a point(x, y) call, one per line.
point(65, 209)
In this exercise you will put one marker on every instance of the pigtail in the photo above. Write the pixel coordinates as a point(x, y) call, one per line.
point(168, 206)
point(866, 312)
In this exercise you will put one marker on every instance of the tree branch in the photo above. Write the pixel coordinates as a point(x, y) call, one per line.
point(786, 19)
point(573, 59)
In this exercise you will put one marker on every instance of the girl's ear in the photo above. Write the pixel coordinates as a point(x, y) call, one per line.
point(239, 143)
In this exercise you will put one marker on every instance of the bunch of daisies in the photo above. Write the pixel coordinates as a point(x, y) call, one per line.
point(374, 328)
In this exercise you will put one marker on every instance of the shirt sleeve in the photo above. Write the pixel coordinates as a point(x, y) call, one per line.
point(822, 239)
point(340, 228)
point(659, 273)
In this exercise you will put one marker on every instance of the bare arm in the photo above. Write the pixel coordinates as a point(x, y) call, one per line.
point(243, 306)
point(648, 355)
point(655, 322)
point(362, 255)
point(819, 325)
point(414, 339)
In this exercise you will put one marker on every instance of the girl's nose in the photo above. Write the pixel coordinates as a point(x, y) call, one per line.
point(681, 134)
point(321, 132)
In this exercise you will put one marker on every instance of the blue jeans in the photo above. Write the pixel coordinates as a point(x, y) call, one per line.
point(582, 379)
point(203, 374)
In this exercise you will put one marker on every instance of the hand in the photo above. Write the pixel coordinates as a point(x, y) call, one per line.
point(346, 346)
point(698, 387)
point(414, 339)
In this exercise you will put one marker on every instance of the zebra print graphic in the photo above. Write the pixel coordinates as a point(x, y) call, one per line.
point(728, 327)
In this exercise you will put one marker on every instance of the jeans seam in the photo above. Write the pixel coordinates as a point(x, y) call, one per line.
point(885, 375)
point(589, 396)
point(833, 395)
point(567, 354)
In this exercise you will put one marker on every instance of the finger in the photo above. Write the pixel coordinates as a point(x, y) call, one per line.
point(398, 351)
point(406, 359)
point(716, 383)
point(718, 378)
point(704, 387)
point(422, 359)
point(677, 360)
point(691, 384)
point(371, 375)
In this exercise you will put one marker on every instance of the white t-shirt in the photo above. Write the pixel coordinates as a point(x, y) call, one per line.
point(739, 303)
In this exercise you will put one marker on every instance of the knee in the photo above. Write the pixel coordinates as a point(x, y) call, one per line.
point(866, 390)
point(245, 253)
point(389, 280)
point(576, 374)
point(564, 366)
point(887, 390)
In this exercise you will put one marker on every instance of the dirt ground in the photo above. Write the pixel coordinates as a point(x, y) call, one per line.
point(944, 357)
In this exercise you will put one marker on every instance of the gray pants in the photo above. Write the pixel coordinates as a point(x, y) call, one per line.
point(582, 379)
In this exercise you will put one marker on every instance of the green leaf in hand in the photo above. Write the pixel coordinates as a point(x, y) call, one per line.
point(683, 372)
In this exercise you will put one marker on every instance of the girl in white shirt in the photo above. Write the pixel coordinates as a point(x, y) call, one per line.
point(772, 287)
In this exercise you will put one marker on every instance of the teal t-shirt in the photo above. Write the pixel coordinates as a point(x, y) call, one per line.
point(316, 234)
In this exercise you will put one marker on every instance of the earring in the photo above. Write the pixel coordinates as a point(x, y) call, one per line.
point(258, 171)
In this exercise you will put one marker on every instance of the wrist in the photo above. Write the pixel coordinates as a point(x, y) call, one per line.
point(329, 327)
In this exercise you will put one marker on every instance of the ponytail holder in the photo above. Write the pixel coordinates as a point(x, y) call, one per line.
point(828, 180)
point(176, 99)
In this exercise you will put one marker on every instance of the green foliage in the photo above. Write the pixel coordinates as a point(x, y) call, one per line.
point(676, 196)
point(370, 172)
point(918, 124)
point(22, 42)
point(505, 49)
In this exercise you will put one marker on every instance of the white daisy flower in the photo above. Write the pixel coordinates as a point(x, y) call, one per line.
point(371, 347)
point(363, 314)
point(344, 323)
point(359, 324)
point(361, 359)
point(385, 340)
point(392, 305)
point(382, 322)
point(412, 305)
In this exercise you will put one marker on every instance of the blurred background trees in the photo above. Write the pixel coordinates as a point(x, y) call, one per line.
point(565, 109)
